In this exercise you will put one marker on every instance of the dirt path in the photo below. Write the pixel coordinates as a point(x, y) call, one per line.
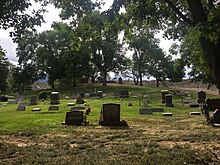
point(212, 92)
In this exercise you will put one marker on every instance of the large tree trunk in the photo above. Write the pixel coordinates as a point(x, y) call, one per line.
point(210, 49)
point(141, 81)
point(157, 81)
point(212, 54)
point(104, 78)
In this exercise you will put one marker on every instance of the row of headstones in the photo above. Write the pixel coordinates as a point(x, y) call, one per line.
point(109, 115)
point(167, 99)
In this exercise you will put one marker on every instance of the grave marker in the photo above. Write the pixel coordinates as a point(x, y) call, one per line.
point(168, 100)
point(36, 109)
point(55, 98)
point(70, 104)
point(77, 108)
point(21, 108)
point(167, 114)
point(33, 100)
point(124, 94)
point(120, 81)
point(53, 107)
point(13, 102)
point(110, 114)
point(74, 118)
point(201, 97)
point(144, 111)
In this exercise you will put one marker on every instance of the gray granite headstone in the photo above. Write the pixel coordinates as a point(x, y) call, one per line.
point(55, 98)
point(74, 118)
point(111, 112)
point(33, 100)
point(21, 108)
point(124, 94)
point(168, 100)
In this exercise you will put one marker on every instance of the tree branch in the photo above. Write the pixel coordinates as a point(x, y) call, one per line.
point(177, 11)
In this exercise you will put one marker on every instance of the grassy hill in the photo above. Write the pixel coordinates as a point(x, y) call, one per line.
point(28, 137)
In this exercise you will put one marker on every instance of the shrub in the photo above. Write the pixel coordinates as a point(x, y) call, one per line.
point(44, 95)
point(3, 98)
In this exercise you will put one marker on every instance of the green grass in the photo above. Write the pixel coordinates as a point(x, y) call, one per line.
point(28, 137)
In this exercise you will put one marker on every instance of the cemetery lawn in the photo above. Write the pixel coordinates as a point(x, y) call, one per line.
point(28, 137)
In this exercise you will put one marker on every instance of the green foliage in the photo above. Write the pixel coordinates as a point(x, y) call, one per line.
point(4, 70)
point(177, 19)
point(14, 14)
point(44, 95)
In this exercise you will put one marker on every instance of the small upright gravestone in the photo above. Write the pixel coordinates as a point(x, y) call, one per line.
point(145, 101)
point(55, 98)
point(74, 118)
point(110, 114)
point(124, 94)
point(33, 100)
point(168, 100)
point(99, 94)
point(120, 81)
point(201, 97)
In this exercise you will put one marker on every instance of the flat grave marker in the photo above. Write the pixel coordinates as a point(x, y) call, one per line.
point(21, 108)
point(36, 109)
point(167, 114)
point(53, 107)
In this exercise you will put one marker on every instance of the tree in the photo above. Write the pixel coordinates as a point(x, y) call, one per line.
point(142, 42)
point(176, 18)
point(14, 13)
point(157, 64)
point(4, 71)
point(102, 38)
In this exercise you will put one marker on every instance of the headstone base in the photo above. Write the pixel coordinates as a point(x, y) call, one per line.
point(113, 123)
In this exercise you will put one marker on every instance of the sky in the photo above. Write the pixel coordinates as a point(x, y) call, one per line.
point(53, 15)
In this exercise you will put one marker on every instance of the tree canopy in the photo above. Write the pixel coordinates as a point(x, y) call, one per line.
point(89, 43)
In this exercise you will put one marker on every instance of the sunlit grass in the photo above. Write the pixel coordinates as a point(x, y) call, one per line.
point(28, 137)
